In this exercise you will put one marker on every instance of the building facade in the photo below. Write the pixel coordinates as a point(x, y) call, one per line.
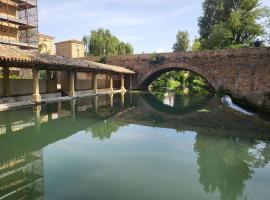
point(46, 44)
point(70, 49)
point(19, 23)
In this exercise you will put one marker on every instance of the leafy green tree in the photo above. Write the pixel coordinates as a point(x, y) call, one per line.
point(230, 23)
point(196, 46)
point(180, 81)
point(103, 43)
point(182, 41)
point(214, 12)
point(219, 38)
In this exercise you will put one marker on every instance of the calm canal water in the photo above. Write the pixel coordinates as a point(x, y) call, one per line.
point(134, 147)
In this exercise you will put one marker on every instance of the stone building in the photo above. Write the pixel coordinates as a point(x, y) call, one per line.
point(46, 44)
point(70, 49)
point(18, 28)
point(19, 23)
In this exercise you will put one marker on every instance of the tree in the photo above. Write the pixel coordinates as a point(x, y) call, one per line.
point(180, 81)
point(196, 46)
point(86, 41)
point(266, 23)
point(102, 43)
point(230, 23)
point(214, 12)
point(182, 41)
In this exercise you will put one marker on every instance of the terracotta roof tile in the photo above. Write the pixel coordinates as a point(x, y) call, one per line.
point(29, 58)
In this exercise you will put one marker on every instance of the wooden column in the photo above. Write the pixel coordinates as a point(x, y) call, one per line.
point(130, 82)
point(111, 99)
point(123, 83)
point(71, 84)
point(107, 80)
point(36, 111)
point(95, 83)
point(73, 108)
point(75, 81)
point(95, 103)
point(6, 91)
point(36, 95)
point(111, 83)
point(48, 78)
point(123, 98)
point(59, 108)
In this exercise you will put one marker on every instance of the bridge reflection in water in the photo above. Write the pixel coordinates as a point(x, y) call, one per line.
point(229, 145)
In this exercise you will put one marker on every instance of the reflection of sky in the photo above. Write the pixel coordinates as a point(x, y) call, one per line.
point(137, 162)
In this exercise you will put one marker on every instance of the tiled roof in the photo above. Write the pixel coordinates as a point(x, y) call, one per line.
point(15, 57)
point(70, 41)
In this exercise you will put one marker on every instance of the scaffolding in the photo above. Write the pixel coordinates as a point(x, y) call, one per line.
point(19, 23)
point(22, 177)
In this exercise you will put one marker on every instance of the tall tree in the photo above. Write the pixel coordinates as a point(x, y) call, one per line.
point(86, 41)
point(230, 23)
point(214, 12)
point(103, 43)
point(182, 41)
point(266, 23)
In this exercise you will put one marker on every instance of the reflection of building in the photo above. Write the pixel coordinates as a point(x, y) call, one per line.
point(46, 44)
point(22, 178)
point(19, 23)
point(70, 49)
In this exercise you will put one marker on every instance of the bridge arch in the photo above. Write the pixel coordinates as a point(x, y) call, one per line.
point(145, 81)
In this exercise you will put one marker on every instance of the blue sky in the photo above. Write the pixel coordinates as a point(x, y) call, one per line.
point(149, 25)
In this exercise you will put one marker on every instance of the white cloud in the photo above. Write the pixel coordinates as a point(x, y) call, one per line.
point(160, 50)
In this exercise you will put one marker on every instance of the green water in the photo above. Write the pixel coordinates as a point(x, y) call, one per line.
point(134, 147)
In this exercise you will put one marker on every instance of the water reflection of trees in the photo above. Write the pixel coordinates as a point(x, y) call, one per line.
point(104, 129)
point(226, 163)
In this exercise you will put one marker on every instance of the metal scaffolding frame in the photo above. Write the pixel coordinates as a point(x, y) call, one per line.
point(19, 23)
point(22, 177)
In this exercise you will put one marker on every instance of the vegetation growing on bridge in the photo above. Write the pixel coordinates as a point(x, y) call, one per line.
point(157, 59)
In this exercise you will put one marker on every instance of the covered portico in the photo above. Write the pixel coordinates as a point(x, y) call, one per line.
point(22, 59)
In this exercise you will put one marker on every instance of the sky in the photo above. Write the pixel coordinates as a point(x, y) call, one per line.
point(149, 25)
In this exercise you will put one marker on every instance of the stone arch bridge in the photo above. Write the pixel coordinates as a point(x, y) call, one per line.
point(245, 73)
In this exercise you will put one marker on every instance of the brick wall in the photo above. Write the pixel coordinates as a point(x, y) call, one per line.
point(243, 72)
